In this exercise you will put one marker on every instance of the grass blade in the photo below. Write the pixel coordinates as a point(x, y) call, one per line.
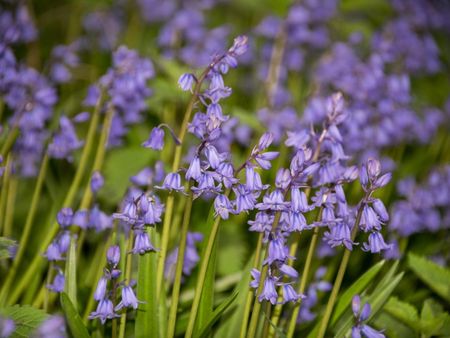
point(74, 320)
point(146, 324)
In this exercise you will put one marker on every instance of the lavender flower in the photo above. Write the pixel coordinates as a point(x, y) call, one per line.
point(104, 311)
point(142, 243)
point(53, 327)
point(186, 81)
point(7, 327)
point(155, 140)
point(97, 181)
point(128, 299)
point(172, 182)
point(360, 317)
point(58, 282)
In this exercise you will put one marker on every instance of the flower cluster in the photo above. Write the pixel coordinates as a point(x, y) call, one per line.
point(424, 206)
point(107, 288)
point(126, 84)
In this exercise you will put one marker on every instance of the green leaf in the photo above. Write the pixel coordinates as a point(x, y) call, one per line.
point(356, 288)
point(230, 327)
point(376, 300)
point(434, 321)
point(118, 166)
point(393, 327)
point(26, 318)
point(404, 312)
point(76, 325)
point(216, 314)
point(205, 308)
point(71, 273)
point(343, 303)
point(6, 245)
point(147, 319)
point(435, 276)
point(279, 332)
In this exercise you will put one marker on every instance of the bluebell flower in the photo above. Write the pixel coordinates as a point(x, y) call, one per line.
point(99, 220)
point(245, 200)
point(380, 209)
point(113, 255)
point(54, 253)
point(262, 223)
point(370, 220)
point(289, 294)
point(273, 201)
point(64, 217)
point(339, 234)
point(253, 180)
point(65, 142)
point(222, 206)
point(81, 218)
point(52, 327)
point(256, 274)
point(104, 311)
point(172, 182)
point(288, 271)
point(191, 257)
point(226, 171)
point(142, 243)
point(283, 179)
point(263, 159)
point(277, 250)
point(194, 171)
point(186, 81)
point(97, 181)
point(128, 299)
point(7, 326)
point(269, 291)
point(100, 291)
point(155, 140)
point(58, 282)
point(213, 156)
point(152, 209)
point(360, 317)
point(375, 243)
point(297, 139)
point(143, 177)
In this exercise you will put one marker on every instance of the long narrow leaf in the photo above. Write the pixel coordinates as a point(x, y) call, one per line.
point(74, 320)
point(147, 321)
point(377, 299)
point(231, 326)
point(356, 288)
point(71, 273)
point(216, 314)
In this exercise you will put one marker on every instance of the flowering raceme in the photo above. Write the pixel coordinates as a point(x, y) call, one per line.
point(158, 178)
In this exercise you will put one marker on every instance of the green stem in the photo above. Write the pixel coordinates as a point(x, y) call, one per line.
point(248, 301)
point(179, 269)
point(257, 305)
point(68, 201)
point(4, 192)
point(202, 274)
point(10, 203)
point(304, 276)
point(10, 140)
point(170, 198)
point(339, 278)
point(96, 273)
point(26, 230)
point(123, 317)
